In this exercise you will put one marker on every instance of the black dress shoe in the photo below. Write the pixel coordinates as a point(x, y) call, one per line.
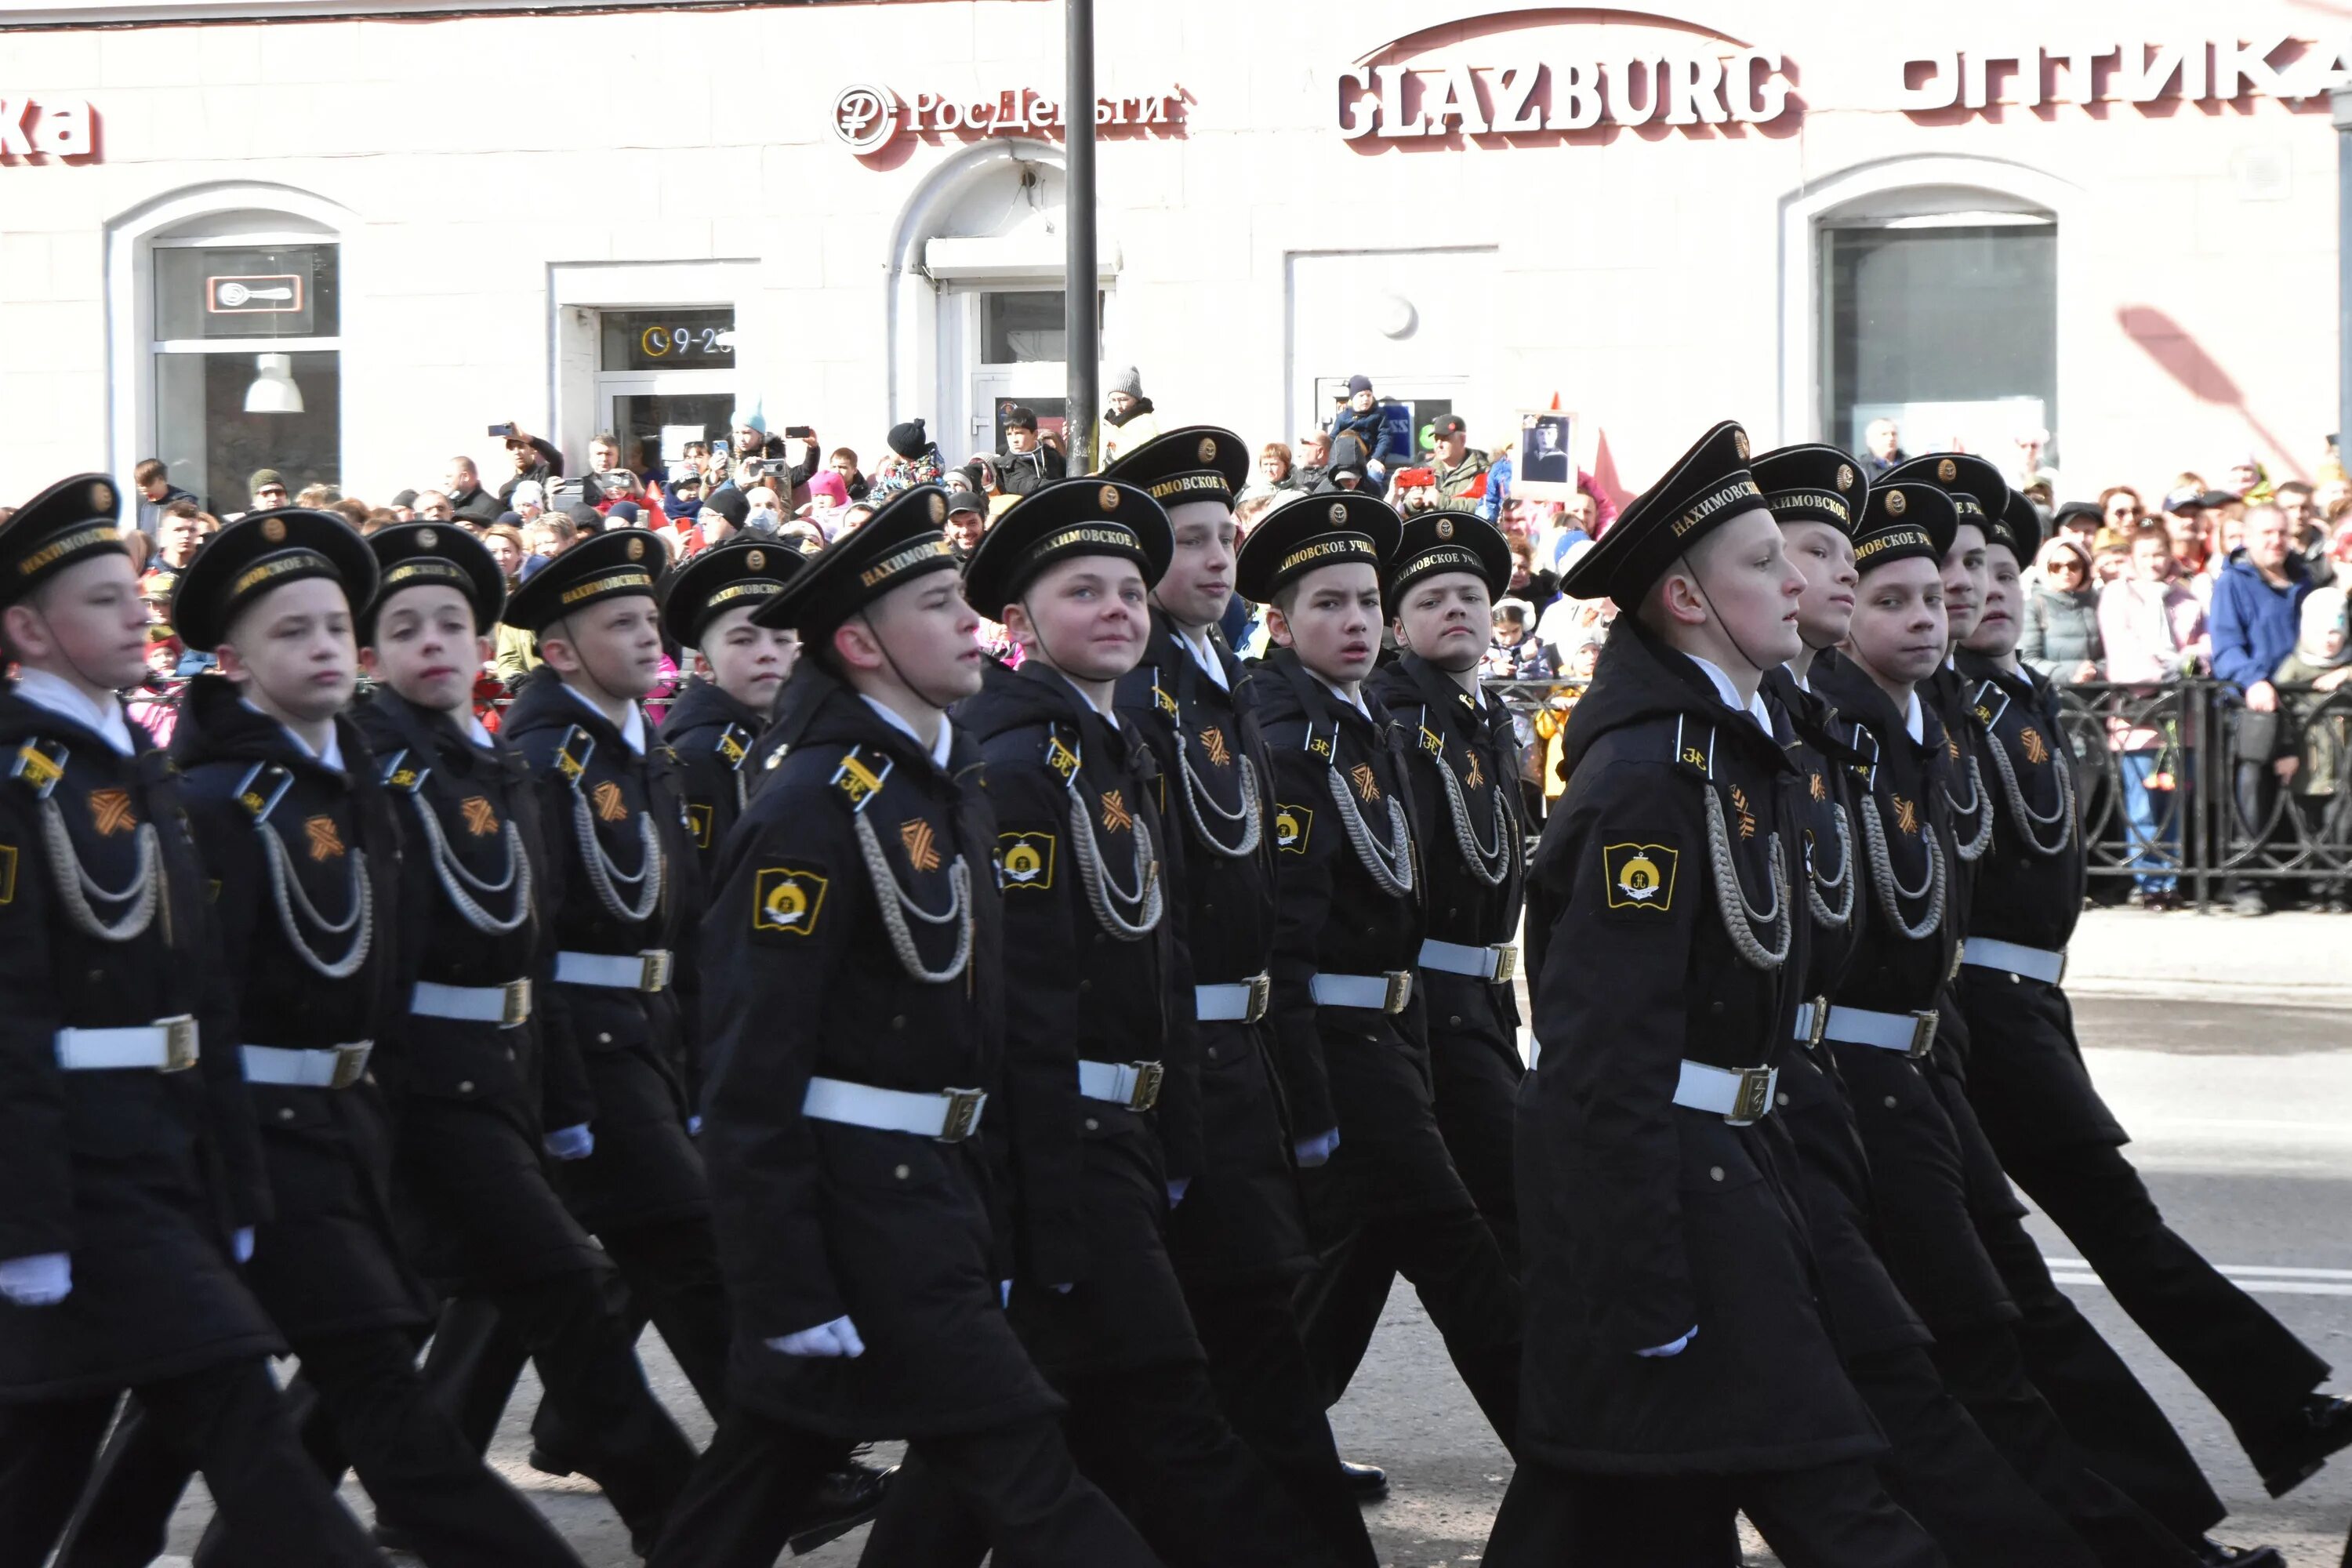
point(551, 1462)
point(1369, 1482)
point(2308, 1439)
point(2213, 1554)
point(845, 1499)
point(391, 1538)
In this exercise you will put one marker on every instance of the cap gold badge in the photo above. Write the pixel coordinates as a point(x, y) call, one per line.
point(426, 539)
point(1896, 504)
point(1845, 476)
point(273, 529)
point(1739, 443)
point(1208, 448)
point(1339, 512)
point(1108, 497)
point(1947, 470)
point(101, 497)
point(1444, 528)
point(636, 549)
point(938, 509)
point(756, 559)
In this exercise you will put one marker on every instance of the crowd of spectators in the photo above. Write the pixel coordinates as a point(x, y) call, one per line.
point(2242, 581)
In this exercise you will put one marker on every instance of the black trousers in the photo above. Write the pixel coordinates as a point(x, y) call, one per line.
point(1152, 1439)
point(1948, 1475)
point(1035, 1510)
point(1258, 1366)
point(231, 1424)
point(2121, 1431)
point(373, 1411)
point(2242, 1358)
point(1452, 1259)
point(671, 1274)
point(1832, 1516)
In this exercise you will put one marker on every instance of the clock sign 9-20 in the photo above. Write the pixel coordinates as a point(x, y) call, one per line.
point(669, 340)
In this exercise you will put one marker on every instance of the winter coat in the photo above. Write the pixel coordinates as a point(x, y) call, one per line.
point(2060, 633)
point(2254, 623)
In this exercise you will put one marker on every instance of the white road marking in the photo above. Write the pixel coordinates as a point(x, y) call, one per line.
point(2274, 1279)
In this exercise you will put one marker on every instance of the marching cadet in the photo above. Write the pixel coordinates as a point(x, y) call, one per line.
point(301, 850)
point(1939, 1464)
point(1102, 1111)
point(2121, 1431)
point(1461, 761)
point(1348, 934)
point(706, 605)
point(134, 1185)
point(1238, 1238)
point(1881, 1027)
point(1679, 1368)
point(854, 948)
point(460, 1063)
point(2026, 1076)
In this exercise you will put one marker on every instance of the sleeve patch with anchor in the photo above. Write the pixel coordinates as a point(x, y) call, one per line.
point(1640, 876)
point(698, 822)
point(1027, 859)
point(1292, 823)
point(786, 900)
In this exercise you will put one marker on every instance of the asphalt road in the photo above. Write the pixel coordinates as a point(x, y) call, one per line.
point(2242, 1116)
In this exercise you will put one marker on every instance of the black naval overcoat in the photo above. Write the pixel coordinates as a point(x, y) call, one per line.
point(1089, 1177)
point(2026, 1074)
point(712, 735)
point(1241, 1218)
point(619, 1059)
point(1866, 1311)
point(141, 1176)
point(1643, 1219)
point(1473, 1024)
point(815, 1219)
point(328, 1260)
point(477, 1207)
point(1920, 1167)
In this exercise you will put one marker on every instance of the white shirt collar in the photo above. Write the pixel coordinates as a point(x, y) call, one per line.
point(939, 747)
point(1754, 706)
point(66, 699)
point(633, 729)
point(1108, 715)
point(1203, 652)
point(475, 733)
point(1914, 724)
point(1357, 702)
point(333, 757)
point(1802, 684)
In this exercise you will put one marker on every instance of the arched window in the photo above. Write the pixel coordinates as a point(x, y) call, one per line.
point(228, 323)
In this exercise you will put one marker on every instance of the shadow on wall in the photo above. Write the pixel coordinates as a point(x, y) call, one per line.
point(2183, 358)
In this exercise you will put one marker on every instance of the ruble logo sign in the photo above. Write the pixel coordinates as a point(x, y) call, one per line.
point(864, 117)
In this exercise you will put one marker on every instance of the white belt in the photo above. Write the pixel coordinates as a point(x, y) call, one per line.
point(950, 1115)
point(1386, 993)
point(1237, 1002)
point(2015, 958)
point(1913, 1034)
point(505, 1006)
point(333, 1067)
point(646, 971)
point(167, 1044)
point(1738, 1095)
point(1812, 1017)
point(1498, 963)
point(1134, 1085)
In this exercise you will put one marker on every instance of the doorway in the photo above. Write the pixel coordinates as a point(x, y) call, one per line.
point(665, 378)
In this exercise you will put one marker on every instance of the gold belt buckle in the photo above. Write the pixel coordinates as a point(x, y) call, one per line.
point(1923, 1033)
point(1755, 1097)
point(1813, 1037)
point(180, 1048)
point(515, 1003)
point(656, 969)
point(1147, 1075)
point(351, 1065)
point(1261, 991)
point(963, 1112)
point(1507, 961)
point(1399, 990)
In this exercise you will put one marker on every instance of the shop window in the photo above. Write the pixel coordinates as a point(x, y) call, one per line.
point(1947, 323)
point(247, 364)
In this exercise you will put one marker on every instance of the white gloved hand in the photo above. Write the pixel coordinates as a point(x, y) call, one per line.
point(570, 1142)
point(1177, 1187)
point(1671, 1347)
point(241, 1244)
point(1318, 1150)
point(837, 1338)
point(42, 1280)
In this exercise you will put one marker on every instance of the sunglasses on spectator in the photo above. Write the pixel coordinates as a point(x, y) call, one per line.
point(2124, 509)
point(2073, 567)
